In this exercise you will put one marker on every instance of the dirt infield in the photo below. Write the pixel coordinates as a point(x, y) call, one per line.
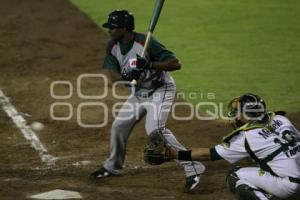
point(42, 41)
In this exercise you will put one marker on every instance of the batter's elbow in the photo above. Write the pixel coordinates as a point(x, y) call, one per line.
point(178, 66)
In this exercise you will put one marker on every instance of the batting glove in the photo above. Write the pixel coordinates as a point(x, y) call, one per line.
point(143, 63)
point(129, 74)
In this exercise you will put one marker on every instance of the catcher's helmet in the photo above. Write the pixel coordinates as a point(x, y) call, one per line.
point(250, 105)
point(120, 19)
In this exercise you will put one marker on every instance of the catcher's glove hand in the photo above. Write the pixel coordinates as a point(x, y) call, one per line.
point(157, 151)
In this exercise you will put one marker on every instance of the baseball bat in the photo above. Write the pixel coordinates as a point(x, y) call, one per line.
point(156, 13)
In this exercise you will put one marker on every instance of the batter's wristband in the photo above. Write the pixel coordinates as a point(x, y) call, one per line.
point(185, 155)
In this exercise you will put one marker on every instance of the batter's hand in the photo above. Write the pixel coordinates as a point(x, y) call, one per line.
point(142, 63)
point(129, 74)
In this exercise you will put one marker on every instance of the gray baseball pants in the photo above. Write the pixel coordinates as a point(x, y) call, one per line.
point(156, 108)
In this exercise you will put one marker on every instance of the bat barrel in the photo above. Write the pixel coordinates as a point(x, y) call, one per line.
point(156, 12)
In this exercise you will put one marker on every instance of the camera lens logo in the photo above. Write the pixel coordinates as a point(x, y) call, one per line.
point(62, 104)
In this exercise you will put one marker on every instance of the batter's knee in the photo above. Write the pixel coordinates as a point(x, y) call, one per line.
point(120, 126)
point(116, 125)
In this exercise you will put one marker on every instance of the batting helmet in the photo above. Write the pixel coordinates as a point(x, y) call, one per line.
point(251, 105)
point(120, 19)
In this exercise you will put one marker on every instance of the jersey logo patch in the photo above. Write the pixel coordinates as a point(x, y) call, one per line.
point(132, 62)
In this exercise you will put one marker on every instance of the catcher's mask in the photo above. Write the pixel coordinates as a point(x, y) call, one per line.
point(248, 106)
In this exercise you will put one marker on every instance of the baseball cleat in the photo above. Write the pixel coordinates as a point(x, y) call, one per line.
point(191, 183)
point(101, 173)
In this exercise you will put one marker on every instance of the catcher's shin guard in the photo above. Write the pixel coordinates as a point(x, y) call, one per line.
point(232, 178)
point(243, 191)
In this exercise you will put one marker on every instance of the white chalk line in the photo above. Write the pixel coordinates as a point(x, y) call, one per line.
point(35, 142)
point(26, 130)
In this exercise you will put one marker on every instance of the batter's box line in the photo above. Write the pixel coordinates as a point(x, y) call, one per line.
point(26, 131)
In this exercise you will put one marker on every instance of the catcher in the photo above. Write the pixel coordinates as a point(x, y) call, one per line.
point(269, 139)
point(152, 98)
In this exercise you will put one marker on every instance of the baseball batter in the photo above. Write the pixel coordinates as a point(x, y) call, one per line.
point(153, 97)
point(270, 140)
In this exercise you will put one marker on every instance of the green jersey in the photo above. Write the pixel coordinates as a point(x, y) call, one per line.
point(120, 56)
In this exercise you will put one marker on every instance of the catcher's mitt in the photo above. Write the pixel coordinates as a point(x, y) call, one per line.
point(157, 150)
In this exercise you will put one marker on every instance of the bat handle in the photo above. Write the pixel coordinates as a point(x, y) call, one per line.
point(134, 82)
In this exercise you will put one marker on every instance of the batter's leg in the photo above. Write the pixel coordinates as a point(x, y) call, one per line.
point(121, 128)
point(158, 109)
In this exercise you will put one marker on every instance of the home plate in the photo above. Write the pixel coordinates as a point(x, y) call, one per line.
point(57, 194)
